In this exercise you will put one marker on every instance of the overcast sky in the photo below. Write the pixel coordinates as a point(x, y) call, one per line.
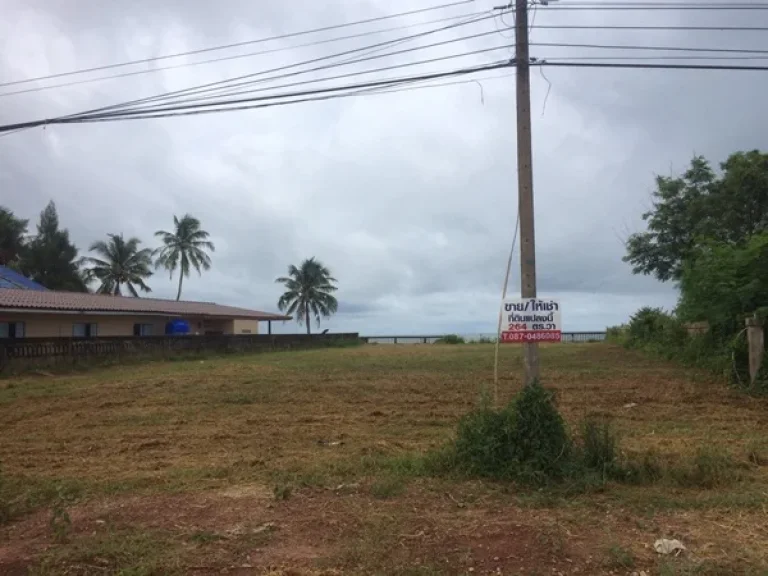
point(410, 198)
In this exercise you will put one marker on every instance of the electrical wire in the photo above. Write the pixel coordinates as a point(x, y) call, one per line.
point(503, 297)
point(651, 28)
point(654, 66)
point(237, 44)
point(654, 48)
point(260, 102)
point(656, 6)
point(226, 84)
point(232, 57)
point(347, 75)
point(187, 105)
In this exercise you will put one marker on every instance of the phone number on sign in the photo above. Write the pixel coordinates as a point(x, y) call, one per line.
point(532, 336)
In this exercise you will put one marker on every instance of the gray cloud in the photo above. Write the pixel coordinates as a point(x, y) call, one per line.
point(410, 198)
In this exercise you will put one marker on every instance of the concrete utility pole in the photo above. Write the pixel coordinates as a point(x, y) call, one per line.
point(525, 178)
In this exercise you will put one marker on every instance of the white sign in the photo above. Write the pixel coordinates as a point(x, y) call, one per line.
point(531, 320)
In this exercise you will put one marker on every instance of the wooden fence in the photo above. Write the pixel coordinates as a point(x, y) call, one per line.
point(29, 352)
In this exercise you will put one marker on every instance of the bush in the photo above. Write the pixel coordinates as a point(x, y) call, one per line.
point(450, 339)
point(600, 451)
point(617, 334)
point(527, 441)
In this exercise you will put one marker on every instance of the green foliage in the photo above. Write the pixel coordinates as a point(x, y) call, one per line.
point(60, 522)
point(450, 339)
point(308, 292)
point(12, 231)
point(184, 248)
point(708, 469)
point(527, 441)
point(619, 557)
point(121, 263)
point(282, 491)
point(388, 487)
point(698, 204)
point(50, 258)
point(725, 283)
point(617, 334)
point(600, 450)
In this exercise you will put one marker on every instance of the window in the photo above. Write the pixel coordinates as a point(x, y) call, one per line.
point(85, 330)
point(142, 329)
point(12, 330)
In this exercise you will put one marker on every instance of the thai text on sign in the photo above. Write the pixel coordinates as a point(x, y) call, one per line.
point(531, 320)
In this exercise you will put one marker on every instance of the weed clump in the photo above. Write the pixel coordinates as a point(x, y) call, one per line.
point(527, 441)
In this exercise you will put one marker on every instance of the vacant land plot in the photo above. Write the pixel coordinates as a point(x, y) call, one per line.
point(308, 463)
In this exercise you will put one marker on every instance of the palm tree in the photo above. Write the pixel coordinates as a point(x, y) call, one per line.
point(308, 292)
point(121, 263)
point(185, 248)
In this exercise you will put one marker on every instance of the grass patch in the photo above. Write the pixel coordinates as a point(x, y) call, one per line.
point(125, 552)
point(388, 487)
point(617, 557)
point(186, 433)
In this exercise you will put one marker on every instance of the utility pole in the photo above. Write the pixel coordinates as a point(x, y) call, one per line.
point(525, 179)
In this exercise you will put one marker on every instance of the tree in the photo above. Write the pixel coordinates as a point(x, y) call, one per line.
point(50, 258)
point(308, 292)
point(121, 263)
point(184, 248)
point(698, 207)
point(12, 231)
point(724, 283)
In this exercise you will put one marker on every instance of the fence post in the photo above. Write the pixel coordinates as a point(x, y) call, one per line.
point(756, 345)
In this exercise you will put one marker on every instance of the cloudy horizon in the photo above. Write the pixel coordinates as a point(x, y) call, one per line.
point(409, 198)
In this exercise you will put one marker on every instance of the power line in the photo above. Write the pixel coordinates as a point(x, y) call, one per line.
point(652, 66)
point(347, 75)
point(232, 57)
point(220, 85)
point(661, 48)
point(189, 104)
point(236, 44)
point(651, 28)
point(559, 7)
point(684, 57)
point(262, 102)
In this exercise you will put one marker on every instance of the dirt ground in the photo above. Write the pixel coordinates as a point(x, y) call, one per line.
point(297, 463)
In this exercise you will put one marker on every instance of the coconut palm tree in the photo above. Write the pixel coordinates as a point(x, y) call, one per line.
point(184, 248)
point(121, 263)
point(308, 292)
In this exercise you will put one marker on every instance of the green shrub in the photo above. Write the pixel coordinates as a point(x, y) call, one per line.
point(617, 334)
point(600, 452)
point(527, 441)
point(450, 339)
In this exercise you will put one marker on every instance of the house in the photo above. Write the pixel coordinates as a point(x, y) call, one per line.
point(33, 313)
point(12, 279)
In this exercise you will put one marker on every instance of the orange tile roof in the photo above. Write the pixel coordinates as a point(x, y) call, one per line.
point(80, 302)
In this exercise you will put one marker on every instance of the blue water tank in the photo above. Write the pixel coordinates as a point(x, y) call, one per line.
point(177, 326)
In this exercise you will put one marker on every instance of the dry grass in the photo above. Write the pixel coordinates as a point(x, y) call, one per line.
point(193, 453)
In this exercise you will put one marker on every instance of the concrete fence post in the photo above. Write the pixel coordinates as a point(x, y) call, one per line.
point(756, 345)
